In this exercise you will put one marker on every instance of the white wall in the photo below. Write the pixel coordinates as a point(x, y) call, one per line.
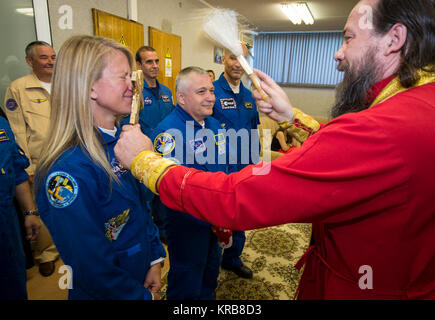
point(180, 17)
point(313, 101)
point(183, 18)
point(82, 22)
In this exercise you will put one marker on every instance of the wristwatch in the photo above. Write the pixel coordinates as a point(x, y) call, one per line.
point(31, 213)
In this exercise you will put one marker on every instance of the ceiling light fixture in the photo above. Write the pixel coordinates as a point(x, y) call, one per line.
point(25, 11)
point(298, 12)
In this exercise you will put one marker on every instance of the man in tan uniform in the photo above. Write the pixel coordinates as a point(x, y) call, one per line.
point(27, 106)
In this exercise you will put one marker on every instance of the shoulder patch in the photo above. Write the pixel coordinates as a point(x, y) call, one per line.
point(61, 188)
point(248, 105)
point(11, 105)
point(198, 145)
point(114, 226)
point(3, 135)
point(165, 98)
point(228, 103)
point(219, 138)
point(164, 143)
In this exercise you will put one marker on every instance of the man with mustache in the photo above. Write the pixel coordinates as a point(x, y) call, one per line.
point(27, 106)
point(192, 137)
point(365, 180)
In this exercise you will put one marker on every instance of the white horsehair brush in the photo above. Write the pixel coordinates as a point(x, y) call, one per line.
point(221, 25)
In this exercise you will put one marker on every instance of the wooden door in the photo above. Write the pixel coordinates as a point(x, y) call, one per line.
point(168, 47)
point(129, 33)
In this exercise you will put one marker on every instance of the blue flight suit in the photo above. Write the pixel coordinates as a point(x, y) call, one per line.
point(194, 252)
point(237, 111)
point(156, 108)
point(102, 230)
point(12, 259)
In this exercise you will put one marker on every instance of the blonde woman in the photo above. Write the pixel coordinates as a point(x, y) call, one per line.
point(94, 208)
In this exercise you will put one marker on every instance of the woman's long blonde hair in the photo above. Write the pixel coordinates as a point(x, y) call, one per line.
point(80, 62)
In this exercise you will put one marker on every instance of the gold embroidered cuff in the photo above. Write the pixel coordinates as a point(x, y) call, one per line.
point(284, 125)
point(148, 168)
point(303, 125)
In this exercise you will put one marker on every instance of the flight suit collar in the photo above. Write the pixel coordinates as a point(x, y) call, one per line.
point(223, 82)
point(32, 81)
point(187, 117)
point(109, 142)
point(145, 85)
point(108, 139)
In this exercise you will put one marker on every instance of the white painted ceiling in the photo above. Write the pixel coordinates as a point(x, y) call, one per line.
point(266, 15)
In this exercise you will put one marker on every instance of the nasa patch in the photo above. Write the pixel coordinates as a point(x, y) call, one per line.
point(228, 103)
point(147, 101)
point(11, 105)
point(197, 145)
point(117, 168)
point(61, 188)
point(164, 143)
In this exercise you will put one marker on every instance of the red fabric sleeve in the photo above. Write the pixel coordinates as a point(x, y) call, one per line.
point(347, 169)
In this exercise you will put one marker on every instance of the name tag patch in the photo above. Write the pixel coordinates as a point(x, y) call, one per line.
point(228, 103)
point(38, 100)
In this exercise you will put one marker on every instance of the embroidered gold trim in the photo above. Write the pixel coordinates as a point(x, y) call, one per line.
point(148, 167)
point(302, 127)
point(394, 87)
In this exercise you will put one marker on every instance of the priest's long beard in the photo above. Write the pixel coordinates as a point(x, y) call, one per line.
point(351, 93)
